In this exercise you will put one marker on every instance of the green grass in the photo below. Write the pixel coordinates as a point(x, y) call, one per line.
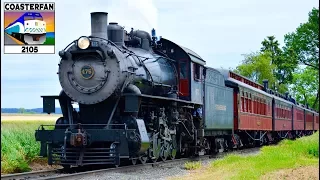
point(49, 41)
point(18, 145)
point(192, 165)
point(288, 154)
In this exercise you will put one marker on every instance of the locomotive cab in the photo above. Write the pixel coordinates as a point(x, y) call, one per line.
point(190, 69)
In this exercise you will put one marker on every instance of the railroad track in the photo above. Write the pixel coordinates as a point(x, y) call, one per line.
point(31, 175)
point(61, 174)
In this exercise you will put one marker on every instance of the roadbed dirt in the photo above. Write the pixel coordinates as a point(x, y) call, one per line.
point(300, 173)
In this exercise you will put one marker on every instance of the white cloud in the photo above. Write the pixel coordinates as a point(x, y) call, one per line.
point(219, 31)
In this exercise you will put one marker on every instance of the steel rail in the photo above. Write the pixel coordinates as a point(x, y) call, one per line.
point(29, 175)
point(60, 174)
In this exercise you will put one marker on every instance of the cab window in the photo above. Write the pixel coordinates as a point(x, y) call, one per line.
point(183, 70)
point(196, 71)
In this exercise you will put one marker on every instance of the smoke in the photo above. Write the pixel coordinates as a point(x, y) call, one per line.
point(139, 14)
point(147, 10)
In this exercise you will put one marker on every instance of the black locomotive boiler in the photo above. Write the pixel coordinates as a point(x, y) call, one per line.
point(143, 99)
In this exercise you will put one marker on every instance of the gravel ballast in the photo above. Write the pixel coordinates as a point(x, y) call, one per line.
point(160, 172)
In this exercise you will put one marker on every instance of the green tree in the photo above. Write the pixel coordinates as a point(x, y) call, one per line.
point(21, 110)
point(278, 65)
point(258, 67)
point(272, 45)
point(284, 66)
point(304, 42)
point(305, 87)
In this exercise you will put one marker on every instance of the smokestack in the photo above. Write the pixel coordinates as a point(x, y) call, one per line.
point(99, 24)
point(265, 84)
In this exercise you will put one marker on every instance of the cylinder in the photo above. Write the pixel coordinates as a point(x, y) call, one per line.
point(99, 24)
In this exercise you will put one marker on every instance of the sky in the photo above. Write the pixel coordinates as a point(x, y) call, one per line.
point(219, 31)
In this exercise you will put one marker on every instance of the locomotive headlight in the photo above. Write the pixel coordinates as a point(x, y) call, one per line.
point(83, 42)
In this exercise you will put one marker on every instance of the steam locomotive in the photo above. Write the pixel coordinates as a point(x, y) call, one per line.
point(142, 99)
